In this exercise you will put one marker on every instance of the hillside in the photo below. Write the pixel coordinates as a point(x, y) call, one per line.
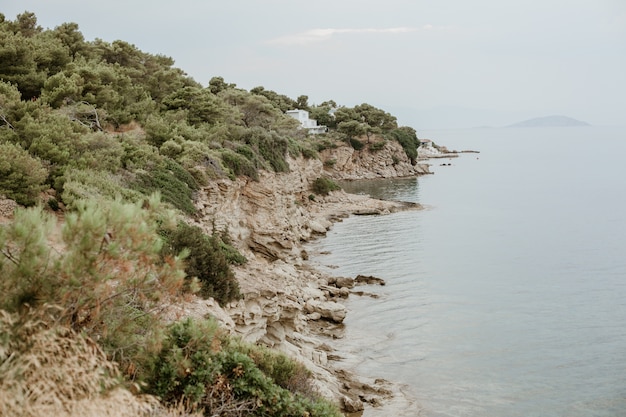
point(550, 121)
point(155, 227)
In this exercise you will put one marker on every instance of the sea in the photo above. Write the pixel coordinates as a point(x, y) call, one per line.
point(506, 295)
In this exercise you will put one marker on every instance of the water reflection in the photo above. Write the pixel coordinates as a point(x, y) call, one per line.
point(403, 189)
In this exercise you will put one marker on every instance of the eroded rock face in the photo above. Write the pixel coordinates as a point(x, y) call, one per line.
point(329, 310)
point(388, 162)
point(267, 217)
point(287, 304)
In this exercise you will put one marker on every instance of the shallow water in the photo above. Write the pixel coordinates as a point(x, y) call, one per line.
point(506, 295)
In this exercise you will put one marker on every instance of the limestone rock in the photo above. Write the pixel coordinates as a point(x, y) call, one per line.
point(287, 304)
point(7, 207)
point(368, 280)
point(351, 405)
point(344, 282)
point(317, 227)
point(390, 161)
point(314, 316)
point(329, 310)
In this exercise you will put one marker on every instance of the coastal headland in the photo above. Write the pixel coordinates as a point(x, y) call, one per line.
point(287, 303)
point(136, 201)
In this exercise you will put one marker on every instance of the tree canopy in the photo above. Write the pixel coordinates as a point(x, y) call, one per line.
point(58, 90)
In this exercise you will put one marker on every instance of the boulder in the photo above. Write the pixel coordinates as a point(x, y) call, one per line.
point(344, 282)
point(317, 227)
point(368, 280)
point(328, 310)
point(351, 405)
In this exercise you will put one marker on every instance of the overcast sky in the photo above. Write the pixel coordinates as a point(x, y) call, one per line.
point(434, 64)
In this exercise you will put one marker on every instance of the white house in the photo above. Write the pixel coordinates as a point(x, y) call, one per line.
point(305, 123)
point(426, 143)
point(427, 149)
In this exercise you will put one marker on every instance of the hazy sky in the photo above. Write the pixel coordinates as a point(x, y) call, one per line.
point(445, 63)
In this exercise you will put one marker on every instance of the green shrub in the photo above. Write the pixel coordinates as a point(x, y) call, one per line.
point(82, 184)
point(185, 366)
point(376, 146)
point(270, 146)
point(321, 146)
point(356, 144)
point(160, 128)
point(207, 260)
point(309, 153)
point(329, 163)
point(199, 363)
point(296, 144)
point(233, 256)
point(284, 371)
point(22, 177)
point(202, 162)
point(174, 183)
point(98, 151)
point(109, 279)
point(323, 185)
point(326, 143)
point(273, 148)
point(239, 164)
point(171, 148)
point(247, 151)
point(53, 203)
point(51, 136)
point(248, 381)
point(407, 137)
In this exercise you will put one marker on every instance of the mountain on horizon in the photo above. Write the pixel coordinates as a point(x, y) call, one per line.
point(550, 121)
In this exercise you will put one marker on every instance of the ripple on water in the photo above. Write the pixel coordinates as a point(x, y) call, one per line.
point(508, 296)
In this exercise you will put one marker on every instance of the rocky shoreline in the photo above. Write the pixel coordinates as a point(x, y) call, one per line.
point(287, 303)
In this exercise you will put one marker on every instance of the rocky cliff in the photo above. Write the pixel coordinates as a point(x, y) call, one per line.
point(286, 303)
point(390, 161)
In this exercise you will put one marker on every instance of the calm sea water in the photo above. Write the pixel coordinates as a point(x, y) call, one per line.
point(506, 296)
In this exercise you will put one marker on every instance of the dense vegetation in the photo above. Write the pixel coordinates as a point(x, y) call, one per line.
point(120, 141)
point(106, 274)
point(100, 120)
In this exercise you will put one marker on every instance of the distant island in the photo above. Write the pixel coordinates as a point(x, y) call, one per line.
point(550, 121)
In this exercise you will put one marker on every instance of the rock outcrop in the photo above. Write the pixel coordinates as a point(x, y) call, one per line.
point(287, 304)
point(7, 207)
point(346, 163)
